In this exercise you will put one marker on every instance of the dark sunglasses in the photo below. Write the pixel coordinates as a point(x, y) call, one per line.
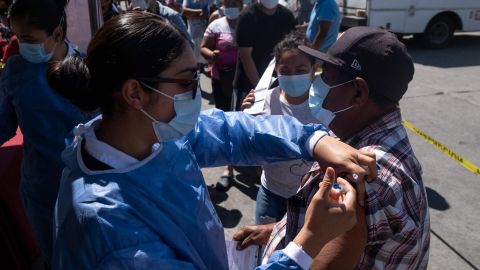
point(184, 82)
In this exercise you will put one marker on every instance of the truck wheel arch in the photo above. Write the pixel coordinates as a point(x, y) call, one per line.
point(439, 31)
point(454, 16)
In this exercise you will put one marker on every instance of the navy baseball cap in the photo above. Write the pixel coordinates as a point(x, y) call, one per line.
point(375, 55)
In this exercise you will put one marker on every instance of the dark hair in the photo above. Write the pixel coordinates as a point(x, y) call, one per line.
point(291, 42)
point(237, 1)
point(131, 45)
point(45, 15)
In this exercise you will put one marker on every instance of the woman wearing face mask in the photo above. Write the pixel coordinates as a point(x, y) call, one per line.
point(44, 117)
point(132, 194)
point(280, 181)
point(219, 47)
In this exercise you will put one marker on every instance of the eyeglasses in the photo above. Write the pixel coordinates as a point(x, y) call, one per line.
point(184, 82)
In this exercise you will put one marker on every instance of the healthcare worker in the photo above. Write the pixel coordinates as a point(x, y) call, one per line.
point(132, 194)
point(45, 118)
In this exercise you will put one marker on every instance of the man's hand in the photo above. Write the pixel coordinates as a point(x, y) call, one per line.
point(248, 100)
point(328, 215)
point(253, 235)
point(344, 159)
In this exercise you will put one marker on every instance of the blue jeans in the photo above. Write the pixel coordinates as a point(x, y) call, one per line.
point(269, 207)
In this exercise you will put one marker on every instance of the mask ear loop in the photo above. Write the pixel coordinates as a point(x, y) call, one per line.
point(348, 108)
point(148, 115)
point(155, 90)
point(338, 85)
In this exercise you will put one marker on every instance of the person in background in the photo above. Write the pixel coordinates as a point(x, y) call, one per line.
point(219, 47)
point(109, 9)
point(196, 12)
point(322, 30)
point(133, 195)
point(295, 70)
point(365, 75)
point(172, 16)
point(4, 6)
point(218, 13)
point(260, 27)
point(303, 10)
point(44, 117)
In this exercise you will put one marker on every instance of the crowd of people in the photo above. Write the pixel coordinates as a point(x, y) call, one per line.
point(114, 137)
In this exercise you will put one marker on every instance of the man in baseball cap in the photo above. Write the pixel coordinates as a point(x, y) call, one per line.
point(365, 74)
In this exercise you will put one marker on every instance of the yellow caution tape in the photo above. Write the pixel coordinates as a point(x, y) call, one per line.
point(447, 151)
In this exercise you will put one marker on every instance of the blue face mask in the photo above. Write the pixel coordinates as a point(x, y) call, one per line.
point(232, 13)
point(187, 111)
point(35, 53)
point(318, 92)
point(295, 85)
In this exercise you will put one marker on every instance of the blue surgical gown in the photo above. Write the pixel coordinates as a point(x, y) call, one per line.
point(45, 119)
point(157, 214)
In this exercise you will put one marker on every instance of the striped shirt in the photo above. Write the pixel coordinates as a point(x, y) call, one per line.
point(396, 206)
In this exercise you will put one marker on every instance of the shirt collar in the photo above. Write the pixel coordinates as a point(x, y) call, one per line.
point(105, 153)
point(389, 121)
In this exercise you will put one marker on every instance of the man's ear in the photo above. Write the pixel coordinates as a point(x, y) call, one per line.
point(58, 34)
point(134, 95)
point(362, 91)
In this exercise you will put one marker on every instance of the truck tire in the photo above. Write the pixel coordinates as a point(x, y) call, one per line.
point(438, 34)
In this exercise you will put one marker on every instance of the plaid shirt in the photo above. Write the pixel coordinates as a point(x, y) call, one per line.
point(396, 207)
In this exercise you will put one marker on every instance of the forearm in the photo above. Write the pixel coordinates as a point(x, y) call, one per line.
point(250, 69)
point(344, 251)
point(319, 39)
point(323, 28)
point(207, 53)
point(192, 13)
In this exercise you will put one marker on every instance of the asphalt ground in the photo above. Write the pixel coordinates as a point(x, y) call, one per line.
point(443, 102)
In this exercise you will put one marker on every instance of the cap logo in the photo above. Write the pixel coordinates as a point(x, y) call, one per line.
point(356, 65)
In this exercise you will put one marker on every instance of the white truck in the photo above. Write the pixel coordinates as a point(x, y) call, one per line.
point(432, 22)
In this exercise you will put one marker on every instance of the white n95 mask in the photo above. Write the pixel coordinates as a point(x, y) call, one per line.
point(318, 92)
point(187, 110)
point(270, 4)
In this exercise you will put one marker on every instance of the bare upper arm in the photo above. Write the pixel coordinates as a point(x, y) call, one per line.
point(344, 251)
point(208, 42)
point(324, 27)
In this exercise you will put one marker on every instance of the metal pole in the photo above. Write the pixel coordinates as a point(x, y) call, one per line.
point(96, 16)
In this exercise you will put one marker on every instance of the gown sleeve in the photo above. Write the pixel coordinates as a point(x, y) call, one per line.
point(236, 138)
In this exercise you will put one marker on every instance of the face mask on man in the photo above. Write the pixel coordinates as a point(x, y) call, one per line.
point(270, 4)
point(295, 85)
point(35, 53)
point(232, 13)
point(187, 110)
point(318, 92)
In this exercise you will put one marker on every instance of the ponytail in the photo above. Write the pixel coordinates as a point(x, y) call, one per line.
point(71, 79)
point(128, 46)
